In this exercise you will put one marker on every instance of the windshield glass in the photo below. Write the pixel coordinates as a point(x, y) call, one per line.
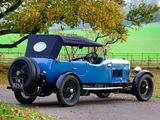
point(74, 52)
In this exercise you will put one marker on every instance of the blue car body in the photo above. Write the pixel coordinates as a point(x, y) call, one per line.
point(41, 73)
point(88, 73)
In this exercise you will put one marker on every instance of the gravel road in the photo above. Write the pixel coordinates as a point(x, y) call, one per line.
point(115, 107)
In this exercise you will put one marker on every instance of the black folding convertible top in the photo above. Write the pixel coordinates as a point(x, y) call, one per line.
point(53, 44)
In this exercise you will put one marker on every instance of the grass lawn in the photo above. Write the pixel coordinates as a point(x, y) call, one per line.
point(9, 111)
point(145, 40)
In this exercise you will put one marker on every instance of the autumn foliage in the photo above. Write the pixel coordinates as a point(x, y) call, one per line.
point(104, 16)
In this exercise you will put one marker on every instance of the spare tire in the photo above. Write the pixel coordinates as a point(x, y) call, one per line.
point(23, 74)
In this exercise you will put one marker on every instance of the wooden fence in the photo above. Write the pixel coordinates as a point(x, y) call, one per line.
point(145, 60)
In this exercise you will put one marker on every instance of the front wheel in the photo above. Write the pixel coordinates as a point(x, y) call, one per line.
point(103, 95)
point(24, 99)
point(145, 87)
point(69, 91)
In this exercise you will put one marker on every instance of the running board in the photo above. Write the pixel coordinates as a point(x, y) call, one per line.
point(106, 88)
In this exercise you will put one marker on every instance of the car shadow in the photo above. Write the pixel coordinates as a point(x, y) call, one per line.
point(82, 102)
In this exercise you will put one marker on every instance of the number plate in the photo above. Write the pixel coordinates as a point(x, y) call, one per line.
point(18, 84)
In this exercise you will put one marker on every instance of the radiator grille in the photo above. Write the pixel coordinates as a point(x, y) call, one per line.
point(117, 73)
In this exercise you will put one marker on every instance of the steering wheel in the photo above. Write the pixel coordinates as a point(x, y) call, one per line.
point(91, 57)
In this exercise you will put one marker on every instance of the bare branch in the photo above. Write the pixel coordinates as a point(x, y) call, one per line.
point(4, 32)
point(14, 44)
point(97, 37)
point(100, 37)
point(17, 42)
point(112, 41)
point(11, 9)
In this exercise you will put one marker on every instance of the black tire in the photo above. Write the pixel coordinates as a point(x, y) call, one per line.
point(69, 92)
point(24, 68)
point(37, 76)
point(144, 88)
point(103, 95)
point(24, 99)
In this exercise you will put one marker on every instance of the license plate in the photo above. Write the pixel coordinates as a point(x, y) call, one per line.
point(17, 84)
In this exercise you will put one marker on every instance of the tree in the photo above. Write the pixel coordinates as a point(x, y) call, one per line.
point(104, 16)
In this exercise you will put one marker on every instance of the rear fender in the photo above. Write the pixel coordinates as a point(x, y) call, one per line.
point(137, 78)
point(63, 75)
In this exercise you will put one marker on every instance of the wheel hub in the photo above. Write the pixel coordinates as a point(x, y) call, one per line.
point(18, 73)
point(71, 91)
point(144, 87)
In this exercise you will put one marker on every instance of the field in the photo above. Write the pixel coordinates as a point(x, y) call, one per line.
point(145, 40)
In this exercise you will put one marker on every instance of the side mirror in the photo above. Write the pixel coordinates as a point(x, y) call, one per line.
point(105, 52)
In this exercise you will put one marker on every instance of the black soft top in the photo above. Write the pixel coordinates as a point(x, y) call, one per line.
point(49, 46)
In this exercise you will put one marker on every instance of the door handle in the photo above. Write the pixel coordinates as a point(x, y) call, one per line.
point(74, 68)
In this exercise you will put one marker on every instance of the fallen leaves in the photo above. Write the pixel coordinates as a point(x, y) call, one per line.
point(9, 111)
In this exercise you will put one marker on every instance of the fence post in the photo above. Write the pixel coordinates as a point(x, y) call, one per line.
point(131, 60)
point(148, 61)
point(142, 58)
point(157, 60)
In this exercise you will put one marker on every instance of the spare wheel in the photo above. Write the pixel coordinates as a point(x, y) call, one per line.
point(23, 74)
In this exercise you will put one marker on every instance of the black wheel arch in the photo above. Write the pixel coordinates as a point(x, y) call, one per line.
point(63, 75)
point(137, 78)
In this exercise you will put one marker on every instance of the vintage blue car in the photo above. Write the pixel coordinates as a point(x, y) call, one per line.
point(41, 73)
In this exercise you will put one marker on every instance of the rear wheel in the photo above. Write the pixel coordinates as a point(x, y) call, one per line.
point(69, 91)
point(24, 99)
point(103, 95)
point(144, 88)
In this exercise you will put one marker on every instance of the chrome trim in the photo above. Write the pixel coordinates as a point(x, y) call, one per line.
point(106, 88)
point(109, 65)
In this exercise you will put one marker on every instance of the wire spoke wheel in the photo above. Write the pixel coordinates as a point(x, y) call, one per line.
point(69, 91)
point(20, 72)
point(103, 95)
point(23, 74)
point(145, 88)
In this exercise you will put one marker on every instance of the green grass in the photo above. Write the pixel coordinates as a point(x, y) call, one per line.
point(145, 40)
point(6, 39)
point(10, 111)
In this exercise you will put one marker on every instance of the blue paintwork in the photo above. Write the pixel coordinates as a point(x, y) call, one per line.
point(88, 73)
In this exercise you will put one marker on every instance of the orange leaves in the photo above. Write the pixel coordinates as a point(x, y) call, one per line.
point(102, 14)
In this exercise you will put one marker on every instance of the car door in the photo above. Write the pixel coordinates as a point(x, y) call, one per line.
point(79, 67)
point(96, 73)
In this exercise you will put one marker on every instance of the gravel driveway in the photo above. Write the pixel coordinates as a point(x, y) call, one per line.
point(116, 107)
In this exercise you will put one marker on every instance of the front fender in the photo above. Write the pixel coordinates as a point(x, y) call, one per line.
point(62, 76)
point(137, 78)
